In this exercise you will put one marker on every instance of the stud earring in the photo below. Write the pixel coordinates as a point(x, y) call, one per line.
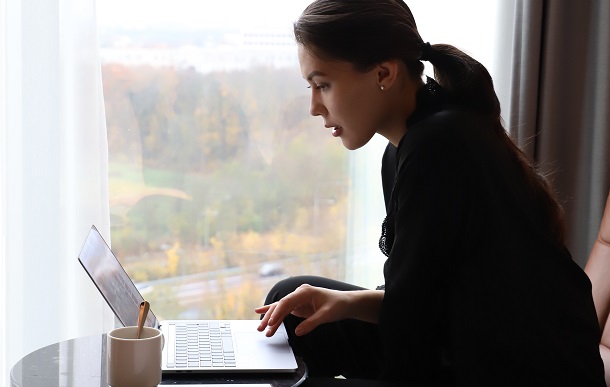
point(382, 87)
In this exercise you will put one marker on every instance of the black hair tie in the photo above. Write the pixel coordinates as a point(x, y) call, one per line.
point(427, 51)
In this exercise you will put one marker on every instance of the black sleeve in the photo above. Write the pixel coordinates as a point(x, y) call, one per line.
point(388, 171)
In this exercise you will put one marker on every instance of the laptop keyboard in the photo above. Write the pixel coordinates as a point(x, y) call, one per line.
point(197, 345)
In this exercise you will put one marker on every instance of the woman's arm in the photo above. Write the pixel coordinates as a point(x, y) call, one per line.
point(598, 270)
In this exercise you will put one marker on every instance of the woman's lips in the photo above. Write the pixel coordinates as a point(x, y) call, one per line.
point(337, 131)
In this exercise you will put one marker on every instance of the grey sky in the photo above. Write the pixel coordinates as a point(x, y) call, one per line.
point(200, 13)
point(470, 25)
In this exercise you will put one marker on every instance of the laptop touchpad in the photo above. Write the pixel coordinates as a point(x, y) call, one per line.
point(253, 342)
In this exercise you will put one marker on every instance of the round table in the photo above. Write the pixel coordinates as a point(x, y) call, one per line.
point(81, 362)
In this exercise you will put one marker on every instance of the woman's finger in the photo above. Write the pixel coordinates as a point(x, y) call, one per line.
point(262, 309)
point(276, 312)
point(312, 322)
point(265, 320)
point(271, 330)
point(279, 310)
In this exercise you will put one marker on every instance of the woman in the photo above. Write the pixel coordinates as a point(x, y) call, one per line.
point(479, 288)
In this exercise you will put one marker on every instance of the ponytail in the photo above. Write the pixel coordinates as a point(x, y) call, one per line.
point(468, 84)
point(466, 81)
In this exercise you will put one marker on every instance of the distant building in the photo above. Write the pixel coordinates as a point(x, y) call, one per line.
point(232, 51)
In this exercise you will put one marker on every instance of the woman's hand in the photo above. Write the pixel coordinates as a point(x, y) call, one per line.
point(318, 306)
point(598, 270)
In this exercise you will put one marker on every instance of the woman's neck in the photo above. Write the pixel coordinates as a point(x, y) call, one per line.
point(402, 103)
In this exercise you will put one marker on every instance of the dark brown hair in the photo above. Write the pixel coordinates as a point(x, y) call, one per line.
point(366, 33)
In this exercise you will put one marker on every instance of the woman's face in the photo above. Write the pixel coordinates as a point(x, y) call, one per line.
point(348, 100)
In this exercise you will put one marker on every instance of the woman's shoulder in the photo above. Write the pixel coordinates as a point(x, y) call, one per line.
point(450, 129)
point(448, 122)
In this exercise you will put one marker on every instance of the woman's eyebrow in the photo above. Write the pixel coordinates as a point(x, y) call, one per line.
point(314, 74)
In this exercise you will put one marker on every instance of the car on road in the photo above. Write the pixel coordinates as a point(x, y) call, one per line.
point(271, 269)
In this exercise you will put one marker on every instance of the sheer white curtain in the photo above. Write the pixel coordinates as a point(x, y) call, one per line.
point(53, 174)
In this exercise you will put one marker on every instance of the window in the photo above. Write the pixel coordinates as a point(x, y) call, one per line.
point(220, 182)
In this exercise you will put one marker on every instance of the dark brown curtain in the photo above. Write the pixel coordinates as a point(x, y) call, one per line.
point(559, 110)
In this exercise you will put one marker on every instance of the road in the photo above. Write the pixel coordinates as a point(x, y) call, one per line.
point(193, 291)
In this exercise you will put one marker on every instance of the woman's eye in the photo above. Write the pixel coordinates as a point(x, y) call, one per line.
point(318, 87)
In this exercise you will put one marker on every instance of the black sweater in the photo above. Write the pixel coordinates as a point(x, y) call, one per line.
point(477, 293)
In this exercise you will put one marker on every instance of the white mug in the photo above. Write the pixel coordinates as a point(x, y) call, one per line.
point(134, 362)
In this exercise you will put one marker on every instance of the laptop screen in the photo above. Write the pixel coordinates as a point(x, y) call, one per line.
point(112, 281)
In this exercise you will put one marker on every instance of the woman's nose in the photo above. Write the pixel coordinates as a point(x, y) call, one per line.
point(316, 108)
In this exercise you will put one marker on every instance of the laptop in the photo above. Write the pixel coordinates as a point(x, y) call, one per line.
point(222, 346)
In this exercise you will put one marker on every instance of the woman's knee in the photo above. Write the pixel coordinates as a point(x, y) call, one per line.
point(283, 288)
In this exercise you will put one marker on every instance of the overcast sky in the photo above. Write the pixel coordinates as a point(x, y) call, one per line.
point(200, 13)
point(468, 24)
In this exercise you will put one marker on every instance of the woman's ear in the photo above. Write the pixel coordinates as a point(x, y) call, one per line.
point(387, 73)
